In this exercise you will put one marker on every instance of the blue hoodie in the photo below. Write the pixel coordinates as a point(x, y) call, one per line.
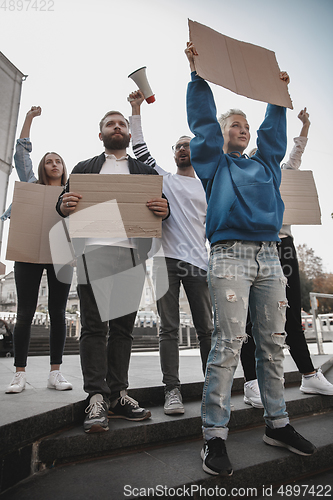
point(243, 195)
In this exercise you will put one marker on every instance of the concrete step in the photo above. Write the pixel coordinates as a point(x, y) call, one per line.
point(144, 339)
point(32, 448)
point(73, 444)
point(39, 346)
point(175, 470)
point(55, 435)
point(20, 434)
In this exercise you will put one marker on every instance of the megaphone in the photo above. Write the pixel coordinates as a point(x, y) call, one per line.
point(140, 78)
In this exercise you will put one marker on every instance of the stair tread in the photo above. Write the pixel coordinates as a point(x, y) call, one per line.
point(73, 444)
point(176, 465)
point(114, 450)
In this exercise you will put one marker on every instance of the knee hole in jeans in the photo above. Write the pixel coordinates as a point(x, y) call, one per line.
point(279, 338)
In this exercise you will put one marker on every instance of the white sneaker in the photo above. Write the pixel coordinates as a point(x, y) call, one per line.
point(316, 384)
point(173, 402)
point(252, 394)
point(58, 382)
point(18, 383)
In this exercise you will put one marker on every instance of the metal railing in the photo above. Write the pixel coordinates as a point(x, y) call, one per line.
point(43, 319)
point(187, 325)
point(317, 325)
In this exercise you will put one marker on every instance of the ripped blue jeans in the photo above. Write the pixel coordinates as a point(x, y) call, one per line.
point(245, 274)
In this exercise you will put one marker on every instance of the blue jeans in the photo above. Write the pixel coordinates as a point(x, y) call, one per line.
point(242, 275)
point(194, 281)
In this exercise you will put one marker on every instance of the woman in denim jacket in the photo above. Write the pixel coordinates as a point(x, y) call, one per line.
point(52, 172)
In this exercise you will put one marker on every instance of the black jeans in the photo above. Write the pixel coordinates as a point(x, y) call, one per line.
point(114, 286)
point(194, 281)
point(27, 278)
point(295, 336)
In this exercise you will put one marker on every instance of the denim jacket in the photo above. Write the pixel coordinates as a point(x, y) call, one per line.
point(23, 167)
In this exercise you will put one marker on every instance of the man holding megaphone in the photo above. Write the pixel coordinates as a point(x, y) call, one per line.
point(183, 246)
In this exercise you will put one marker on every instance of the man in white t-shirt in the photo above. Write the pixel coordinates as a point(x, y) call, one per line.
point(183, 246)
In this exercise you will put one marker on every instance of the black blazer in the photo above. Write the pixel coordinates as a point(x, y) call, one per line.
point(94, 165)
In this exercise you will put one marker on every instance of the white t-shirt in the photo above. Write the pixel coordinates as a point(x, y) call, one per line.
point(183, 232)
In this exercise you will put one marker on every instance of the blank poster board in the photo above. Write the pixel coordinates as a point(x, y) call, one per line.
point(299, 193)
point(32, 217)
point(114, 206)
point(243, 68)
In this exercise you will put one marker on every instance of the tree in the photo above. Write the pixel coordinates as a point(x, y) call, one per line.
point(324, 284)
point(306, 288)
point(314, 279)
point(309, 263)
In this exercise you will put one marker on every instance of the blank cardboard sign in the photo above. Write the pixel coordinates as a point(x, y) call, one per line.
point(299, 193)
point(114, 206)
point(243, 68)
point(32, 217)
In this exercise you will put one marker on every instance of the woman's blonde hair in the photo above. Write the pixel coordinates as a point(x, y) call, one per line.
point(223, 118)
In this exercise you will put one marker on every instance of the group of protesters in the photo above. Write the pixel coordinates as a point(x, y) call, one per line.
point(240, 303)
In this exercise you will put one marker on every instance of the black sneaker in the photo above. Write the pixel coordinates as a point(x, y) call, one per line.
point(287, 437)
point(215, 457)
point(97, 418)
point(127, 408)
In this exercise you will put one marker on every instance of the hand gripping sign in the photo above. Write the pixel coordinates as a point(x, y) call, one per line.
point(97, 237)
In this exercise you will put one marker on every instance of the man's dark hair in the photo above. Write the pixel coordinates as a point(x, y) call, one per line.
point(112, 113)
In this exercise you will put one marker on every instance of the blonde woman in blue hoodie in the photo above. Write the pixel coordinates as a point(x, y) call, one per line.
point(244, 217)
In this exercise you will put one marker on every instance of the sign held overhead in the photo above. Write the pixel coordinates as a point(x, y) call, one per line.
point(243, 68)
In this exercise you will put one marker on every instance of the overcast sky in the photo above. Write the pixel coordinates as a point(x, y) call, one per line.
point(77, 55)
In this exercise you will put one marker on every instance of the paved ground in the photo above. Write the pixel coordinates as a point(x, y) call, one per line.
point(144, 372)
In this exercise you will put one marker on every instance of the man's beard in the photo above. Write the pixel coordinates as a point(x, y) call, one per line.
point(184, 163)
point(116, 143)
